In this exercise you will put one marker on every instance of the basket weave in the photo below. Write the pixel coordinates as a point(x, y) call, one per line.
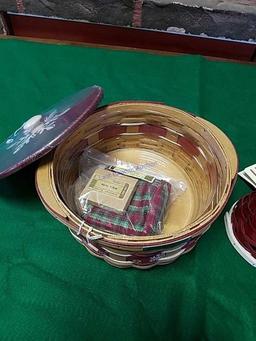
point(180, 145)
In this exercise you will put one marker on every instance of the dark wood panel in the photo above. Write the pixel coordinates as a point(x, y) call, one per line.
point(80, 32)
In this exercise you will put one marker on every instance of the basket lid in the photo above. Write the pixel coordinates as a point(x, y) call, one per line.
point(44, 131)
point(241, 227)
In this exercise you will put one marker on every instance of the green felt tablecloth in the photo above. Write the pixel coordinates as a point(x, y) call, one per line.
point(50, 287)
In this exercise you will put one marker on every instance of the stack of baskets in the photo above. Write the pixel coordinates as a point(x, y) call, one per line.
point(183, 146)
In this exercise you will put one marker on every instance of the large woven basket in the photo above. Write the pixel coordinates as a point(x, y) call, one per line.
point(181, 145)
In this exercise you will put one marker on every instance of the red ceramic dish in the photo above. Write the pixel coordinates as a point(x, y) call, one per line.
point(241, 227)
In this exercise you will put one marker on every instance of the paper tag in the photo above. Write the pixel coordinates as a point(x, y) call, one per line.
point(133, 173)
point(249, 174)
point(106, 188)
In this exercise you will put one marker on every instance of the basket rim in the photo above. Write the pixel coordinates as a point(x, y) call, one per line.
point(111, 239)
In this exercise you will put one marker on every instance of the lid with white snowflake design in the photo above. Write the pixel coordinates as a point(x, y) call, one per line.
point(43, 132)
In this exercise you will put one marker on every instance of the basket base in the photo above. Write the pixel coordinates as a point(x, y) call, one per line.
point(138, 261)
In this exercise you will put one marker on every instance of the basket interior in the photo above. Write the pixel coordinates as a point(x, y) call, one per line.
point(175, 141)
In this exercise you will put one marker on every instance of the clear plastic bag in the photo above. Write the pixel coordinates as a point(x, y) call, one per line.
point(121, 197)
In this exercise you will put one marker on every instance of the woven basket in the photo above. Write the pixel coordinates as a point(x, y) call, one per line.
point(180, 145)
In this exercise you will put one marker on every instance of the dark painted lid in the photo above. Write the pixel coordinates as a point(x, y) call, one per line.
point(43, 132)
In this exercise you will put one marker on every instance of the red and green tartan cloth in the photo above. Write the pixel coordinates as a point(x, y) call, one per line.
point(144, 215)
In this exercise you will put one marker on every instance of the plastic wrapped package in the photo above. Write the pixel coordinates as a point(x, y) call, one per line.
point(121, 197)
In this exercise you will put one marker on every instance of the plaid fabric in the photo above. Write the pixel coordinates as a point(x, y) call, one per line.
point(143, 216)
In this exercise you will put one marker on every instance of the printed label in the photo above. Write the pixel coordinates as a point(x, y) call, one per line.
point(109, 186)
point(106, 188)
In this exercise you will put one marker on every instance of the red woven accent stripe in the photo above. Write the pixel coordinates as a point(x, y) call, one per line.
point(188, 146)
point(152, 130)
point(111, 131)
point(20, 6)
point(137, 13)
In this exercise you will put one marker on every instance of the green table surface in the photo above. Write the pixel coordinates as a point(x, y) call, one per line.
point(51, 288)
